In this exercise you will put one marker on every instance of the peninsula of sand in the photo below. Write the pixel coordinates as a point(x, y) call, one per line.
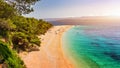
point(51, 54)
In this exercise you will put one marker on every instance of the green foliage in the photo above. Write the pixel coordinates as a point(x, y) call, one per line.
point(26, 33)
point(23, 42)
point(6, 10)
point(34, 40)
point(42, 27)
point(31, 25)
point(10, 57)
point(22, 7)
point(20, 41)
point(20, 32)
point(6, 26)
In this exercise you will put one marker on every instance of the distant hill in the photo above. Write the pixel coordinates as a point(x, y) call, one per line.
point(91, 20)
point(53, 19)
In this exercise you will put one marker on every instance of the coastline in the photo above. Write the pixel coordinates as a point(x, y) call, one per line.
point(51, 54)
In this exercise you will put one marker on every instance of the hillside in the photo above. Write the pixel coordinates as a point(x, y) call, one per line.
point(18, 33)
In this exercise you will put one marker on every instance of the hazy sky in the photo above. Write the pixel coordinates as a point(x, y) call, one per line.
point(75, 8)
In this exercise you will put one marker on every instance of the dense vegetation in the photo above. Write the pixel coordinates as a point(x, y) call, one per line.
point(9, 57)
point(24, 36)
point(20, 33)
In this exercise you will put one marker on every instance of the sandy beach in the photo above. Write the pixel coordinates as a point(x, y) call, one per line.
point(51, 54)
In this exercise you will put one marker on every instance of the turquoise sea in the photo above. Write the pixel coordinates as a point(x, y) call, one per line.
point(93, 46)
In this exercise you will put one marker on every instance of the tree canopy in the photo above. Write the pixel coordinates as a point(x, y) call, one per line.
point(22, 6)
point(6, 10)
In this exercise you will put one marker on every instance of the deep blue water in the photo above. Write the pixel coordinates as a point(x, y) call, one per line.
point(93, 46)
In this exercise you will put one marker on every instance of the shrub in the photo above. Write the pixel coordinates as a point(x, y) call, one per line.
point(10, 57)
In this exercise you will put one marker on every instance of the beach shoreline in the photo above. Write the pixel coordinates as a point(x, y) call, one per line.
point(51, 54)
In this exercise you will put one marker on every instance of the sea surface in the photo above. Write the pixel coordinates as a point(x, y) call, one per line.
point(93, 46)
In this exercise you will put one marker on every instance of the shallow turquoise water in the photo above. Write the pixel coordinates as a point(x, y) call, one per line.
point(93, 46)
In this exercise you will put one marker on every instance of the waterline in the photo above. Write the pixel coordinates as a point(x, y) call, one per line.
point(93, 47)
